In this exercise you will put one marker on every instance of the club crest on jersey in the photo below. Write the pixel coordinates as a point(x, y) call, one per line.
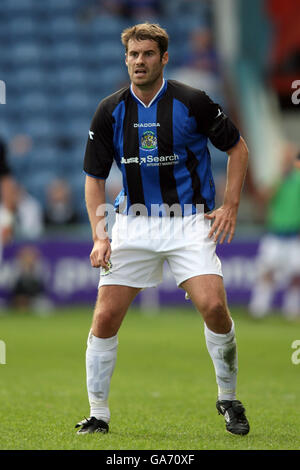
point(148, 141)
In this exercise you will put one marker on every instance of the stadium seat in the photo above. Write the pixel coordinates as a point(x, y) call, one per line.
point(59, 6)
point(39, 128)
point(77, 127)
point(33, 102)
point(77, 101)
point(25, 54)
point(21, 27)
point(71, 77)
point(108, 52)
point(36, 182)
point(106, 27)
point(63, 27)
point(43, 158)
point(5, 39)
point(30, 78)
point(13, 8)
point(67, 53)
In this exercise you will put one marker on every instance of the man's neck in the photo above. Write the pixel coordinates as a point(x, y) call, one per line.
point(146, 95)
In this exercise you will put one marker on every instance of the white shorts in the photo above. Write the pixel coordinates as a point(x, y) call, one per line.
point(280, 256)
point(140, 245)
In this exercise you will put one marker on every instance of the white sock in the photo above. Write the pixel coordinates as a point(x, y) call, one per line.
point(291, 302)
point(222, 350)
point(101, 357)
point(261, 298)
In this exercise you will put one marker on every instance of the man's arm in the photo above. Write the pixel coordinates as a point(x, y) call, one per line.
point(225, 216)
point(95, 197)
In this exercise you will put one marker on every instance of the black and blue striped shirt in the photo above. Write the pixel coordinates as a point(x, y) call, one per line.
point(161, 149)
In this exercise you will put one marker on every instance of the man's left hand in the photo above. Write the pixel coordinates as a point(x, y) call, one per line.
point(224, 223)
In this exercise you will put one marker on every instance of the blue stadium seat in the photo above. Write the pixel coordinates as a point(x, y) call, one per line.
point(37, 182)
point(111, 78)
point(14, 8)
point(33, 102)
point(67, 53)
point(21, 27)
point(43, 158)
point(106, 27)
point(71, 77)
point(30, 78)
point(109, 52)
point(63, 27)
point(78, 127)
point(70, 162)
point(59, 6)
point(77, 102)
point(39, 128)
point(8, 127)
point(5, 39)
point(25, 53)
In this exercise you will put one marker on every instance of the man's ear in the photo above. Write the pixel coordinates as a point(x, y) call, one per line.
point(165, 58)
point(126, 62)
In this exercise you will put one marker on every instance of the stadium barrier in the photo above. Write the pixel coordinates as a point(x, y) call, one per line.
point(70, 279)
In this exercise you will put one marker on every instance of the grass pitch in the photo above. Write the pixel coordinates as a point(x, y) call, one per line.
point(163, 390)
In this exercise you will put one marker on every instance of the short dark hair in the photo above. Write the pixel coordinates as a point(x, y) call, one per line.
point(143, 31)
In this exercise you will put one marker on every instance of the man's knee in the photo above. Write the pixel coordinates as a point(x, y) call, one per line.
point(216, 315)
point(105, 320)
point(214, 309)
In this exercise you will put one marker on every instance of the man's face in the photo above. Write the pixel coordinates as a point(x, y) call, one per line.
point(144, 63)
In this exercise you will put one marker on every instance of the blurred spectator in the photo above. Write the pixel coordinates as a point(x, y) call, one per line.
point(200, 67)
point(20, 150)
point(285, 55)
point(195, 8)
point(21, 144)
point(138, 10)
point(8, 199)
point(28, 291)
point(142, 10)
point(278, 262)
point(29, 216)
point(59, 209)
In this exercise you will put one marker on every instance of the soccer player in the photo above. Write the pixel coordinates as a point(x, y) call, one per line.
point(157, 131)
point(278, 260)
point(8, 199)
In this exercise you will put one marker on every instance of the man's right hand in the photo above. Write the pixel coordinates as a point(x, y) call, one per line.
point(100, 253)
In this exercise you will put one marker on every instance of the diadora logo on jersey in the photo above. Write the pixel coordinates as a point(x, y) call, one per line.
point(150, 160)
point(148, 141)
point(91, 134)
point(146, 124)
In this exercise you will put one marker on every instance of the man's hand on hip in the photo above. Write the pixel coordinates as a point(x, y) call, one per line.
point(224, 223)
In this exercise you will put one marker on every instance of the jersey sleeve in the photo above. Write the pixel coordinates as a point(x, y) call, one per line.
point(99, 153)
point(4, 168)
point(214, 123)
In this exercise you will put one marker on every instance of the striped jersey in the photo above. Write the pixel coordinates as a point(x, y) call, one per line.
point(161, 149)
